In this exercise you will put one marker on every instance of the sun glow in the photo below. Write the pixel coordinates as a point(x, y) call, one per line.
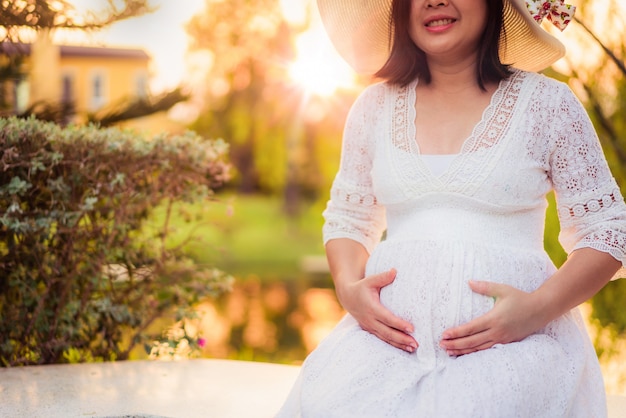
point(318, 69)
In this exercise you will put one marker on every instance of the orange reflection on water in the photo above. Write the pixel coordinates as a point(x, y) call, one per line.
point(318, 314)
point(269, 321)
point(215, 328)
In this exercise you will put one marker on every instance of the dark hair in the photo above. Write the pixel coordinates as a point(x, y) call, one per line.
point(406, 61)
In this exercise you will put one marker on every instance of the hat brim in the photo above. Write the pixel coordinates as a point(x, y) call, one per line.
point(359, 30)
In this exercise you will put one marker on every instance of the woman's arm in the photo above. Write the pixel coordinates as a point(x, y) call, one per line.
point(518, 314)
point(582, 276)
point(360, 295)
point(592, 217)
point(354, 224)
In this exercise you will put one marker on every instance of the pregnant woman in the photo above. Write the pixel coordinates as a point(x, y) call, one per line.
point(458, 311)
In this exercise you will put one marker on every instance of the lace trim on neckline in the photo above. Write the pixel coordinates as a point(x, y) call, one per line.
point(487, 133)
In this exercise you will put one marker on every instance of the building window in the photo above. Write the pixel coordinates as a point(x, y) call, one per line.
point(98, 91)
point(68, 89)
point(21, 94)
point(141, 85)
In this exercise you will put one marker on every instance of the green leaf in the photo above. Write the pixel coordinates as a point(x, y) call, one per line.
point(17, 186)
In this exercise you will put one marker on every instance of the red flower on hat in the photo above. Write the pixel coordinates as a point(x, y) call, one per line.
point(559, 13)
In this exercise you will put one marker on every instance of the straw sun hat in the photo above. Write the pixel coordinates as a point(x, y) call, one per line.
point(359, 30)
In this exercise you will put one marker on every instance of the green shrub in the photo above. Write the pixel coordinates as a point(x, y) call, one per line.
point(79, 277)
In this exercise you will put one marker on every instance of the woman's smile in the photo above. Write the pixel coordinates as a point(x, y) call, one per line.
point(461, 21)
point(438, 24)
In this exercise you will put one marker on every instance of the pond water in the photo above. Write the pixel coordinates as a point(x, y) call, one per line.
point(281, 321)
point(277, 321)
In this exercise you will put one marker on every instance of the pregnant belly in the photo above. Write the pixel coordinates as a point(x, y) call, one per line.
point(431, 287)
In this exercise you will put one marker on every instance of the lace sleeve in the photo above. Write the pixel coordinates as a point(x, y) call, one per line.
point(353, 210)
point(590, 206)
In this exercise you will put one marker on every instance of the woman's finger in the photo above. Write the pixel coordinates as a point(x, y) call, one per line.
point(473, 327)
point(469, 342)
point(394, 337)
point(491, 289)
point(463, 352)
point(378, 281)
point(387, 318)
point(392, 329)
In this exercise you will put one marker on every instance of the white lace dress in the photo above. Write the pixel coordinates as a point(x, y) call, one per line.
point(483, 219)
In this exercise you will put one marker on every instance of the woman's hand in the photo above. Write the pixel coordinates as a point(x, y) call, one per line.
point(515, 315)
point(362, 300)
point(518, 314)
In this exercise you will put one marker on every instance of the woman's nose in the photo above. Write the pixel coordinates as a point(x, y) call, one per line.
point(436, 3)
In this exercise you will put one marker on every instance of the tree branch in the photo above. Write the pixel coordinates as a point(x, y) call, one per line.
point(45, 14)
point(614, 58)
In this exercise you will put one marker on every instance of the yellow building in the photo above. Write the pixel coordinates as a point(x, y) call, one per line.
point(94, 77)
point(91, 79)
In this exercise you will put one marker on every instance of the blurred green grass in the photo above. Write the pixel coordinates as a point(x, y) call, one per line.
point(244, 234)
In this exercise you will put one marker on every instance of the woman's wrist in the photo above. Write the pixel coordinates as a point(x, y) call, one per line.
point(342, 287)
point(545, 307)
point(584, 273)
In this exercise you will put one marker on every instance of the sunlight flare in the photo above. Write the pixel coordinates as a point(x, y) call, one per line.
point(318, 69)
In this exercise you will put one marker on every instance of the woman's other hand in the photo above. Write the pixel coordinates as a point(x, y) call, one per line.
point(361, 299)
point(515, 316)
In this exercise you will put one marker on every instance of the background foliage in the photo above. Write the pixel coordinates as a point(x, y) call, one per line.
point(283, 142)
point(79, 272)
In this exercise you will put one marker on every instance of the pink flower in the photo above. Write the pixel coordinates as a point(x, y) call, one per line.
point(201, 342)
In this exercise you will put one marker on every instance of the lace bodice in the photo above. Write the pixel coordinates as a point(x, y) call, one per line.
point(534, 137)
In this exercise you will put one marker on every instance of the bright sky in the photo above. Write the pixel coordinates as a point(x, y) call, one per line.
point(163, 36)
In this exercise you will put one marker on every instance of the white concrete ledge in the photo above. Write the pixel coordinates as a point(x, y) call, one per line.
point(186, 389)
point(193, 388)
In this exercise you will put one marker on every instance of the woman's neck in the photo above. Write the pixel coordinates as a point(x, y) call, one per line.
point(453, 78)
